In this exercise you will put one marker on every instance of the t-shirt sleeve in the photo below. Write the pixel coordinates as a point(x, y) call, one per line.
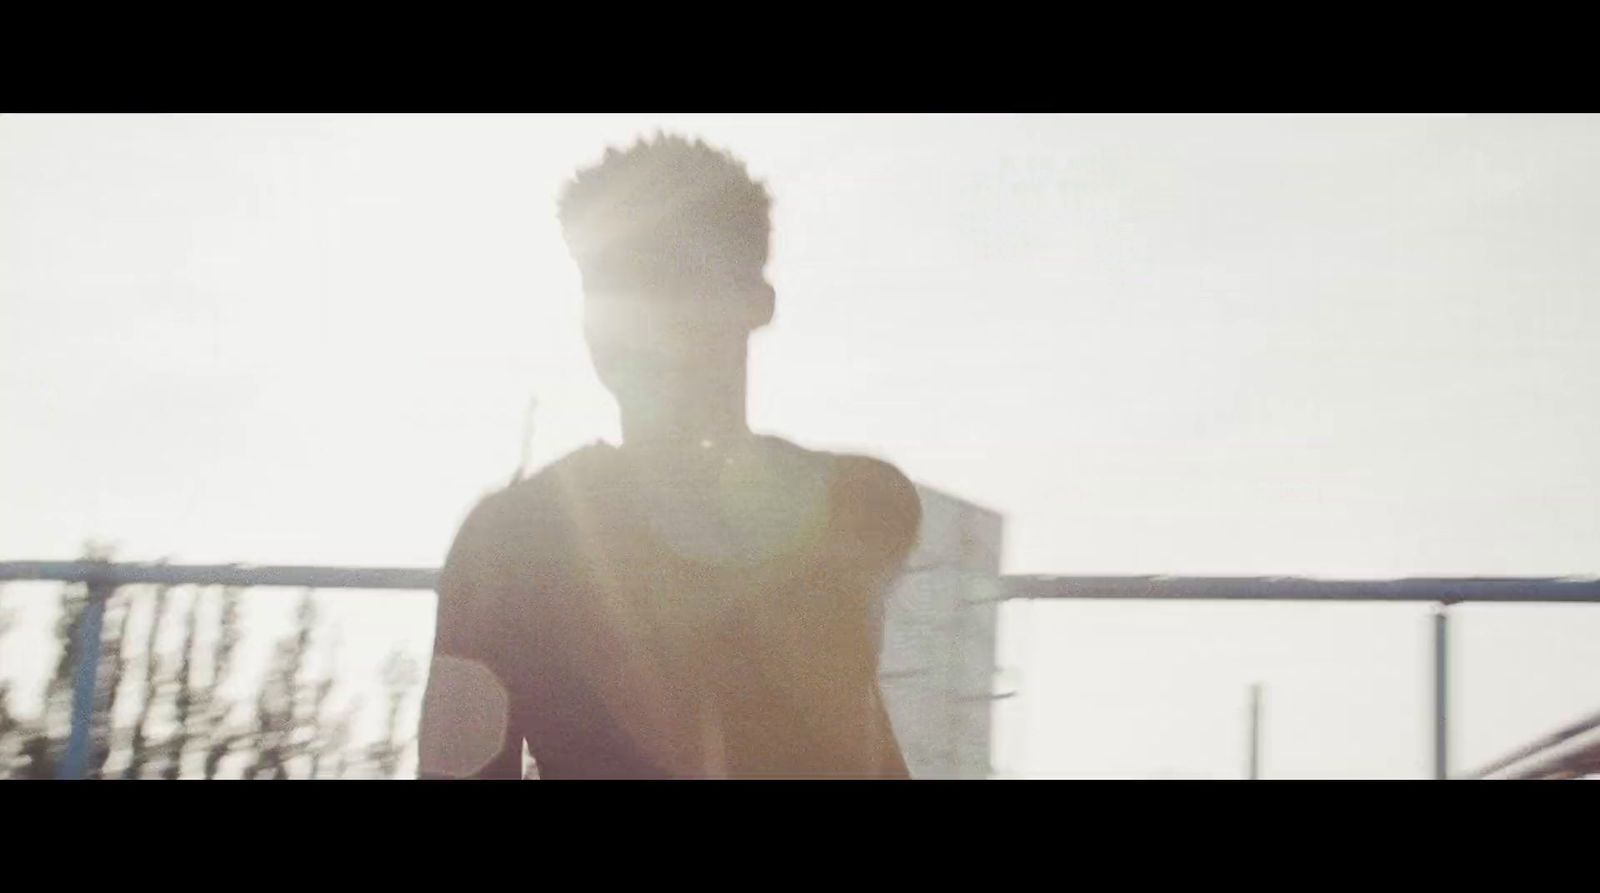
point(881, 514)
point(877, 518)
point(469, 589)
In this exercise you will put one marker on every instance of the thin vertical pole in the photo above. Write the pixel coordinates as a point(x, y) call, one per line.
point(1255, 732)
point(1441, 692)
point(75, 763)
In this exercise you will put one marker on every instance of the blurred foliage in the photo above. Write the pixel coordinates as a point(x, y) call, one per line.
point(171, 700)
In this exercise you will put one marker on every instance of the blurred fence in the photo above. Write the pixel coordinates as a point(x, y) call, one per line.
point(152, 679)
point(286, 730)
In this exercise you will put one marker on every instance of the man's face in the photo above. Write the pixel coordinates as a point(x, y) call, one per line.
point(663, 343)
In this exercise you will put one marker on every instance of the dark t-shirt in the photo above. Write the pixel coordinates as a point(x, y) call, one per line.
point(708, 614)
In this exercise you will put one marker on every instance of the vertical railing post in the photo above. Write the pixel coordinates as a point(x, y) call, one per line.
point(1255, 732)
point(1441, 691)
point(74, 764)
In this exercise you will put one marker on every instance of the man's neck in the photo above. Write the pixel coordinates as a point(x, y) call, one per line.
point(682, 450)
point(714, 413)
point(683, 431)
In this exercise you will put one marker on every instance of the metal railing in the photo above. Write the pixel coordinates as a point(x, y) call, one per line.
point(1441, 591)
point(103, 579)
point(1572, 749)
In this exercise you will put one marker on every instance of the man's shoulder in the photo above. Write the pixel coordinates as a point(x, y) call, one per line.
point(540, 501)
point(866, 489)
point(843, 462)
point(544, 503)
point(559, 480)
point(859, 472)
point(878, 477)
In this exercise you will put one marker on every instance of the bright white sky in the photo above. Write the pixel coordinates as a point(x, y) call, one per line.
point(1341, 346)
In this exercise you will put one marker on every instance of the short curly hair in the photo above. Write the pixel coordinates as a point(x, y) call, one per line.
point(667, 207)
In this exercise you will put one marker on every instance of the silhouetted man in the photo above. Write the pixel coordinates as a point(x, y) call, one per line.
point(702, 601)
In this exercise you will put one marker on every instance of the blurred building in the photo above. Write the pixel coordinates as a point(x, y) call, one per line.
point(938, 666)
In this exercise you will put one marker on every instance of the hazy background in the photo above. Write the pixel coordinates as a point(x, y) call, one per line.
point(1320, 345)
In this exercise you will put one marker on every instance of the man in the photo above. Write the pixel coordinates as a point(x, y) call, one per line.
point(701, 602)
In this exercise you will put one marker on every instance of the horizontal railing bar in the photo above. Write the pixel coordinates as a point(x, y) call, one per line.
point(1013, 587)
point(1419, 589)
point(105, 573)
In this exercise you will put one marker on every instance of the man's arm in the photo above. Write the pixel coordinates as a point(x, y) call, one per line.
point(883, 520)
point(900, 525)
point(469, 727)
